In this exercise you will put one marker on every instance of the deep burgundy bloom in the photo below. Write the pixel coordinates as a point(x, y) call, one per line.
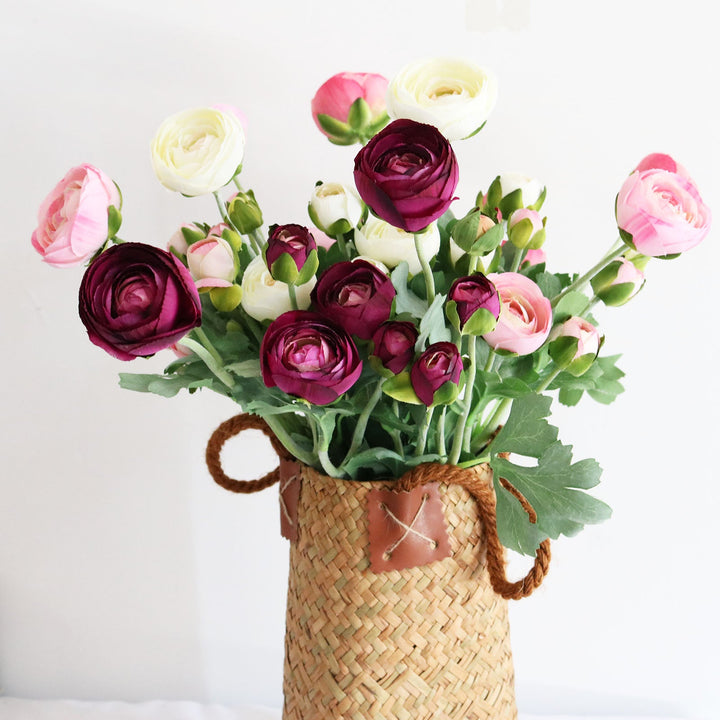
point(407, 174)
point(474, 293)
point(307, 355)
point(136, 299)
point(439, 364)
point(394, 343)
point(295, 240)
point(356, 295)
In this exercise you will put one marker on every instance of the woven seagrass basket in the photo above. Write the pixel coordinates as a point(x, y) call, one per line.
point(430, 641)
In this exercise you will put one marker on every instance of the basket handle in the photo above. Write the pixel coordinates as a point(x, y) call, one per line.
point(230, 428)
point(484, 494)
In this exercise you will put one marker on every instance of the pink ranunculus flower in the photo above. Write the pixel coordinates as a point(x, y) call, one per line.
point(307, 355)
point(660, 161)
point(534, 257)
point(586, 350)
point(394, 344)
point(336, 95)
point(525, 315)
point(212, 262)
point(73, 218)
point(659, 211)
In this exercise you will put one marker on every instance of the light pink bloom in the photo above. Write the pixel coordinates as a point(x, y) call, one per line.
point(587, 335)
point(660, 161)
point(628, 273)
point(534, 257)
point(336, 95)
point(525, 214)
point(525, 315)
point(212, 262)
point(73, 218)
point(662, 211)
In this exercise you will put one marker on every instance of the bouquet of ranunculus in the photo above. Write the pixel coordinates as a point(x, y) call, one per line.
point(392, 331)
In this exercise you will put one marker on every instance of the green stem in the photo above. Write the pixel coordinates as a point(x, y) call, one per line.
point(467, 398)
point(293, 296)
point(440, 434)
point(226, 219)
point(617, 249)
point(395, 433)
point(205, 340)
point(490, 360)
point(422, 433)
point(594, 300)
point(340, 238)
point(275, 424)
point(427, 272)
point(256, 240)
point(546, 382)
point(361, 425)
point(517, 259)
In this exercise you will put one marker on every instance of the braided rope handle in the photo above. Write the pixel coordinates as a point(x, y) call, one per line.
point(428, 472)
point(485, 495)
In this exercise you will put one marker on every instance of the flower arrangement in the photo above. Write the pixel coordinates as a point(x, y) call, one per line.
point(390, 332)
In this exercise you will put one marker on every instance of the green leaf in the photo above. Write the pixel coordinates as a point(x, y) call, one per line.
point(574, 303)
point(432, 325)
point(245, 368)
point(406, 301)
point(526, 432)
point(549, 284)
point(160, 384)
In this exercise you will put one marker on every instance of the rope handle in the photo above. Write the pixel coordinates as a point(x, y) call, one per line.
point(482, 492)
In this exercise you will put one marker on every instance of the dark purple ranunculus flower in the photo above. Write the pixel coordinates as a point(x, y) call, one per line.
point(437, 369)
point(136, 299)
point(473, 304)
point(356, 295)
point(305, 354)
point(407, 174)
point(394, 343)
point(291, 254)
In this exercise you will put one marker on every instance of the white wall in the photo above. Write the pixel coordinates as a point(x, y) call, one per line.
point(124, 572)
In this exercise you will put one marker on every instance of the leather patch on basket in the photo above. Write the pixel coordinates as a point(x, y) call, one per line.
point(289, 496)
point(407, 529)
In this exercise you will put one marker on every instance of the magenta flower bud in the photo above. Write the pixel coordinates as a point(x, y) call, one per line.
point(435, 375)
point(291, 254)
point(394, 344)
point(473, 304)
point(136, 299)
point(356, 295)
point(306, 355)
point(407, 174)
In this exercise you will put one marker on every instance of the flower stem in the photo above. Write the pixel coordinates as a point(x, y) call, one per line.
point(255, 250)
point(361, 425)
point(293, 296)
point(275, 424)
point(617, 249)
point(467, 398)
point(395, 433)
point(546, 382)
point(517, 259)
point(422, 433)
point(440, 434)
point(340, 239)
point(490, 360)
point(256, 240)
point(427, 272)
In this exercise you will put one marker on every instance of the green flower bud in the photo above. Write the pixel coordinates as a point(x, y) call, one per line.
point(477, 234)
point(618, 282)
point(244, 212)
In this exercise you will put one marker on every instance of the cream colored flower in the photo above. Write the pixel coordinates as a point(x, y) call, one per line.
point(264, 298)
point(453, 95)
point(390, 245)
point(335, 208)
point(198, 151)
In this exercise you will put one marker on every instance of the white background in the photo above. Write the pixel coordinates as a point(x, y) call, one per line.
point(124, 572)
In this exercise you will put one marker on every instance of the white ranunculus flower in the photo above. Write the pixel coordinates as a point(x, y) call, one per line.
point(531, 187)
point(198, 151)
point(453, 95)
point(264, 298)
point(335, 208)
point(390, 245)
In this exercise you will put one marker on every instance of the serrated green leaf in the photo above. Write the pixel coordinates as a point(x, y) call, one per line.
point(405, 300)
point(432, 325)
point(569, 396)
point(160, 384)
point(569, 305)
point(245, 368)
point(526, 432)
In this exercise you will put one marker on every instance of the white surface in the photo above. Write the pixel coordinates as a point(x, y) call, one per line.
point(18, 709)
point(124, 573)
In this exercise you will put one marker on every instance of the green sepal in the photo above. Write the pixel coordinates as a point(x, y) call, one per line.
point(511, 202)
point(192, 236)
point(359, 114)
point(494, 196)
point(464, 233)
point(672, 256)
point(399, 387)
point(520, 233)
point(563, 350)
point(580, 365)
point(114, 220)
point(447, 393)
point(232, 239)
point(226, 299)
point(627, 238)
point(349, 140)
point(539, 202)
point(378, 367)
point(337, 129)
point(538, 239)
point(475, 132)
point(617, 295)
point(284, 269)
point(480, 322)
point(339, 227)
point(308, 269)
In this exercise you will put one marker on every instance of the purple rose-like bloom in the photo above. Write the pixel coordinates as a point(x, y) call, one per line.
point(136, 299)
point(473, 293)
point(305, 354)
point(295, 240)
point(407, 174)
point(356, 295)
point(439, 364)
point(394, 343)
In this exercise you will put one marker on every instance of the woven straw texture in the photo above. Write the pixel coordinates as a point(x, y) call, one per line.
point(428, 642)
